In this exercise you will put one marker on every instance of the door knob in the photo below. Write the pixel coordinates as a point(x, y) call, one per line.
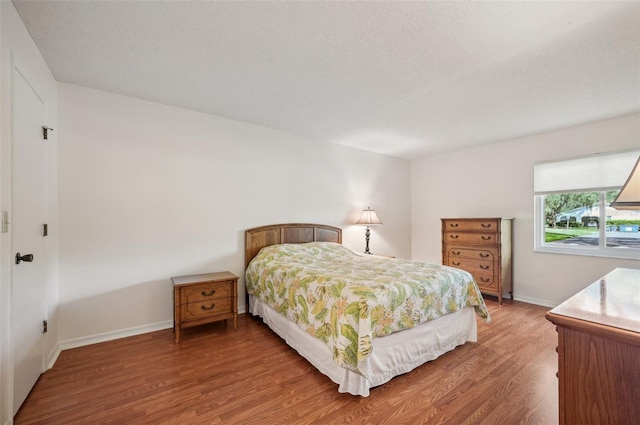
point(27, 257)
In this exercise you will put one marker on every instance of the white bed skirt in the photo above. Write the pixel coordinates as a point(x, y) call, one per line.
point(392, 355)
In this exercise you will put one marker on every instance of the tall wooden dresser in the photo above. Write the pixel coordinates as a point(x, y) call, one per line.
point(599, 352)
point(481, 246)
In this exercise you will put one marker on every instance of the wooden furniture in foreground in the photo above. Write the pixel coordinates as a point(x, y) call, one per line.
point(204, 298)
point(599, 352)
point(481, 246)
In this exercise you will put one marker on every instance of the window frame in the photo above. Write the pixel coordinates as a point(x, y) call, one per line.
point(602, 250)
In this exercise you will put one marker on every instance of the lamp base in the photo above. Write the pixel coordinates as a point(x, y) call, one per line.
point(367, 233)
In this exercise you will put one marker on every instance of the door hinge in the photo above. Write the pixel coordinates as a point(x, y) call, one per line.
point(45, 230)
point(45, 132)
point(45, 326)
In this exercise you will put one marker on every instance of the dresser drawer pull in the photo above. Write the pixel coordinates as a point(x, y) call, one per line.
point(453, 236)
point(455, 252)
point(208, 308)
point(484, 279)
point(455, 263)
point(484, 267)
point(208, 294)
point(486, 238)
point(453, 224)
point(484, 255)
point(486, 226)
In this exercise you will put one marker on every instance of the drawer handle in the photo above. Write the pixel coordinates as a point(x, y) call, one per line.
point(455, 252)
point(484, 267)
point(453, 224)
point(484, 255)
point(454, 236)
point(208, 294)
point(484, 279)
point(486, 226)
point(455, 263)
point(486, 238)
point(207, 308)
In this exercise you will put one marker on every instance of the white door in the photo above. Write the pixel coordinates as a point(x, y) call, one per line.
point(28, 212)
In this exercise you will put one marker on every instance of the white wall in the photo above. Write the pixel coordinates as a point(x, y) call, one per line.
point(496, 180)
point(149, 191)
point(17, 47)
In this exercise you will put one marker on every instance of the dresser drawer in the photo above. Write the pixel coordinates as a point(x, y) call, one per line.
point(483, 271)
point(204, 309)
point(207, 291)
point(485, 281)
point(472, 265)
point(471, 238)
point(466, 225)
point(489, 253)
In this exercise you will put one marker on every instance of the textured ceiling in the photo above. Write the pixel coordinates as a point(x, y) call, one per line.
point(405, 79)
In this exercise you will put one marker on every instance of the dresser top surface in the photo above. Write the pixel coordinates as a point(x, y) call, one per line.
point(476, 218)
point(203, 278)
point(613, 300)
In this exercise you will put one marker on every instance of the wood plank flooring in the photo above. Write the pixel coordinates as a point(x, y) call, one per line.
point(250, 376)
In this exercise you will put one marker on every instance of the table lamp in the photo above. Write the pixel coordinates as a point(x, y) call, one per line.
point(368, 218)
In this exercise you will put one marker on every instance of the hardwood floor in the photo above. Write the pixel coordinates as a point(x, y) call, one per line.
point(250, 376)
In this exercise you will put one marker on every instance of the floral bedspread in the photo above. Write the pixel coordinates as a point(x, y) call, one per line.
point(345, 299)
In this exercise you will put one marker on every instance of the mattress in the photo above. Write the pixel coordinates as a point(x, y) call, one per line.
point(346, 299)
point(391, 355)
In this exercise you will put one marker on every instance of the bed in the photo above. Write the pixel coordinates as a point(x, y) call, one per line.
point(359, 319)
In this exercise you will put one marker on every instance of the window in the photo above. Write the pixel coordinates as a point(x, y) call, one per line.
point(572, 211)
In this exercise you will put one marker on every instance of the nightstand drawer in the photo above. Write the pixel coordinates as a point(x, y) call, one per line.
point(207, 291)
point(203, 309)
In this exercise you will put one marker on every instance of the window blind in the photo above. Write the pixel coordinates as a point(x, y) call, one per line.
point(595, 172)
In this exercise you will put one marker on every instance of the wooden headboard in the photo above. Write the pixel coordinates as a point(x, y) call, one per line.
point(259, 237)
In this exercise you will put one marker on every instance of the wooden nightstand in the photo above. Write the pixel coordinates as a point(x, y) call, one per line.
point(204, 298)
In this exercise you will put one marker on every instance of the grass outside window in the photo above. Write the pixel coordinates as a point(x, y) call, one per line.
point(557, 234)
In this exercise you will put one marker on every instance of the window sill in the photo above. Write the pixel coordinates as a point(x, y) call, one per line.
point(626, 253)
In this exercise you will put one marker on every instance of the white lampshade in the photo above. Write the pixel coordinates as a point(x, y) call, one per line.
point(368, 217)
point(629, 196)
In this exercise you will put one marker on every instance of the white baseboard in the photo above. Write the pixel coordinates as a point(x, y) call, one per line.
point(53, 356)
point(109, 336)
point(536, 301)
